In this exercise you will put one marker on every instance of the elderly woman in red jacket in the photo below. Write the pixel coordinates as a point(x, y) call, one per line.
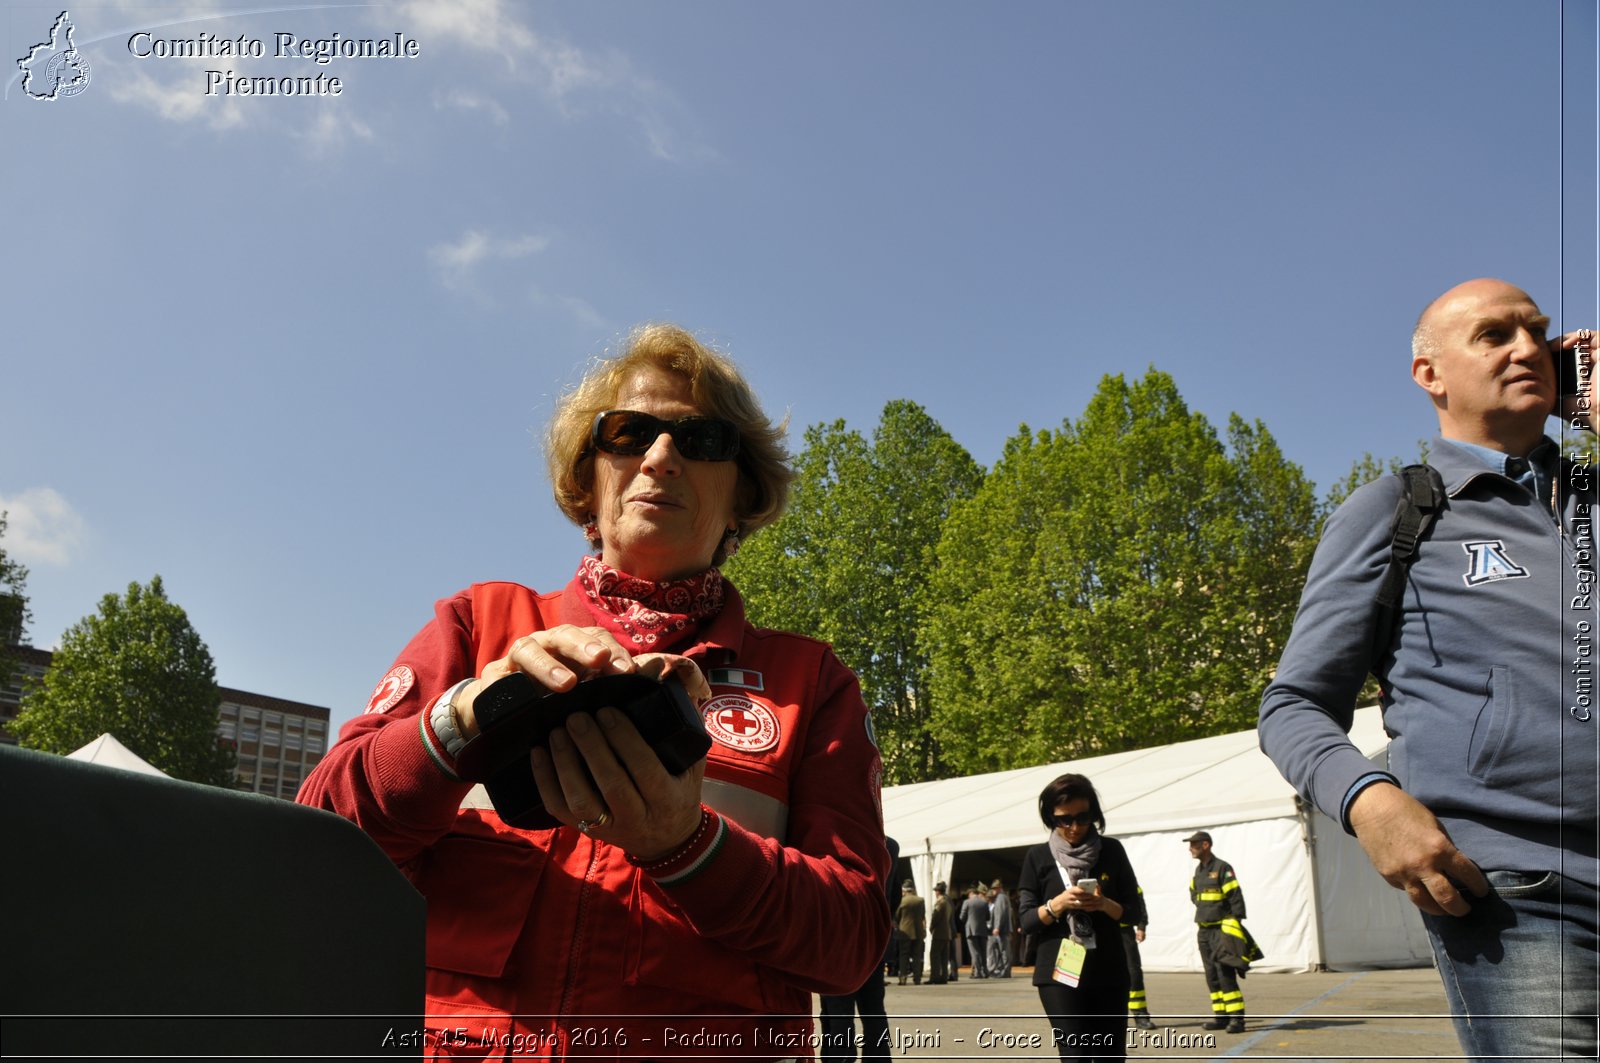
point(663, 914)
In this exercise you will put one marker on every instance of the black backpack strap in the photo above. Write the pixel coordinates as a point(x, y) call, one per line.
point(1420, 502)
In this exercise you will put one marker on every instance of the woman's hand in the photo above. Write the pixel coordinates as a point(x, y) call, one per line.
point(558, 659)
point(600, 776)
point(660, 665)
point(1075, 899)
point(605, 779)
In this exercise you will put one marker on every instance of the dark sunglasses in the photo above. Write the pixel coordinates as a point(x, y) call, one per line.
point(1082, 819)
point(697, 438)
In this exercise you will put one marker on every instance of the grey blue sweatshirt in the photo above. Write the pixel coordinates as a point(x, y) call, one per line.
point(1488, 687)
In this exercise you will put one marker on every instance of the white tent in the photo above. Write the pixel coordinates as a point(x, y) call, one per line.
point(107, 751)
point(1313, 899)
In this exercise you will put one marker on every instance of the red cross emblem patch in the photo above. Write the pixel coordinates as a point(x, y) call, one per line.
point(735, 720)
point(390, 689)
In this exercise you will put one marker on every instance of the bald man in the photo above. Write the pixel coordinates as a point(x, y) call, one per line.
point(1489, 819)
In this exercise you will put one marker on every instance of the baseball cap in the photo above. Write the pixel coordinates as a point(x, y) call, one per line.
point(1197, 836)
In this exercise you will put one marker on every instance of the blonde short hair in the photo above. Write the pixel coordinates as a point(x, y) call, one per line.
point(718, 389)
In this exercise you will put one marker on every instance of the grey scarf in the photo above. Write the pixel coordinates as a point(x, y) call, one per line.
point(1075, 862)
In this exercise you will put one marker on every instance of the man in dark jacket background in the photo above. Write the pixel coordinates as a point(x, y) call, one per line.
point(939, 925)
point(1217, 898)
point(838, 1013)
point(912, 919)
point(975, 925)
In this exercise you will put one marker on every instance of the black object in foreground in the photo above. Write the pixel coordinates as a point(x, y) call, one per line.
point(515, 714)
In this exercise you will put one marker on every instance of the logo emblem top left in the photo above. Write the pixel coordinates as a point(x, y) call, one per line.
point(54, 68)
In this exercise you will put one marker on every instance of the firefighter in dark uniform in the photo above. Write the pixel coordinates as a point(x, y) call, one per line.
point(1218, 900)
point(1134, 920)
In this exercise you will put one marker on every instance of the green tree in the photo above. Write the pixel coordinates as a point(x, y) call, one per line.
point(1124, 581)
point(851, 562)
point(138, 670)
point(14, 614)
point(1364, 470)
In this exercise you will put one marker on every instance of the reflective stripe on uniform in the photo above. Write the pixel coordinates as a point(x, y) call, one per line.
point(754, 811)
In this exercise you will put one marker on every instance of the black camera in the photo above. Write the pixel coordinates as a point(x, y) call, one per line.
point(514, 714)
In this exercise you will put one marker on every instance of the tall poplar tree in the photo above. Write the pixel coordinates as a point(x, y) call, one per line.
point(137, 670)
point(852, 559)
point(1124, 581)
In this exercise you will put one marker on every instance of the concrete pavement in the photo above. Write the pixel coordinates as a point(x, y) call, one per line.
point(1349, 1015)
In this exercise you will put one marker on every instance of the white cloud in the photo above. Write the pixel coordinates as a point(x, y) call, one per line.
point(457, 261)
point(333, 128)
point(41, 527)
point(470, 101)
point(175, 88)
point(181, 100)
point(574, 80)
point(581, 310)
point(478, 25)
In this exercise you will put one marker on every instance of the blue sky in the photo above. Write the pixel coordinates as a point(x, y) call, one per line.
point(295, 353)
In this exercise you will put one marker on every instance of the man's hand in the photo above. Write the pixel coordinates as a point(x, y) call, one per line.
point(1570, 407)
point(1410, 849)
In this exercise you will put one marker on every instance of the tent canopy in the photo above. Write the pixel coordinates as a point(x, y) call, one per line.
point(1313, 898)
point(107, 751)
point(1202, 783)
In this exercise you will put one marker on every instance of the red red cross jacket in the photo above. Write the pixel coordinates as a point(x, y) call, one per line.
point(551, 943)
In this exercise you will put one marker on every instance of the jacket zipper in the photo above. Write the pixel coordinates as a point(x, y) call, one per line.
point(578, 926)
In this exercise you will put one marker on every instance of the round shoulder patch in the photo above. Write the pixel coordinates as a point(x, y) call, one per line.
point(390, 689)
point(737, 721)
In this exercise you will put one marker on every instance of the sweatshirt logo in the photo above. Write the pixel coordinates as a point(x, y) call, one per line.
point(1488, 562)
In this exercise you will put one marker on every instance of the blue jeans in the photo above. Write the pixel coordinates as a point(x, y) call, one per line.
point(1520, 968)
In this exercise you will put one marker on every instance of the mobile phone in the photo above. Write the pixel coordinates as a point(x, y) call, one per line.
point(1089, 885)
point(515, 714)
point(1573, 368)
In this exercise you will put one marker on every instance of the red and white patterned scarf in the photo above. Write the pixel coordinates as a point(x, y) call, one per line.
point(649, 616)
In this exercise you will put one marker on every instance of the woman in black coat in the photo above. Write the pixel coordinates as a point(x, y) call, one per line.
point(1079, 970)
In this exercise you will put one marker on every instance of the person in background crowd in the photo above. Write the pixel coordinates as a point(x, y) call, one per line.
point(1132, 926)
point(956, 939)
point(1001, 925)
point(1217, 898)
point(975, 923)
point(727, 893)
point(838, 1012)
point(912, 918)
point(1074, 889)
point(939, 926)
